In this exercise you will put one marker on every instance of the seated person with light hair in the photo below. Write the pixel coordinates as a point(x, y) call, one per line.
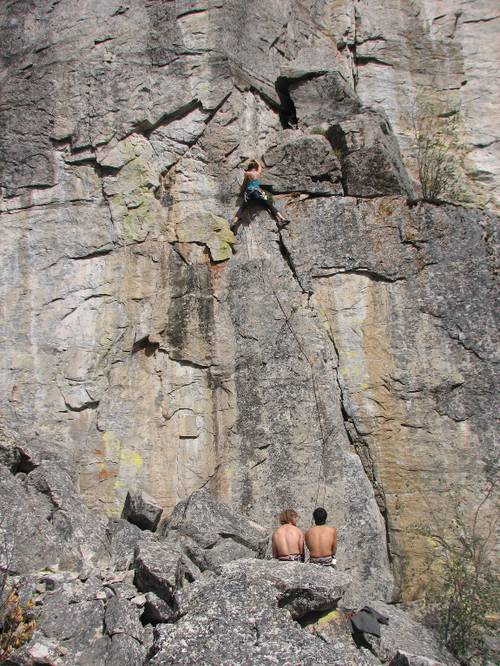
point(288, 540)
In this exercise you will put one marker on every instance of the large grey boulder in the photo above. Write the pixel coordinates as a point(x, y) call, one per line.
point(123, 626)
point(50, 485)
point(321, 98)
point(162, 568)
point(303, 163)
point(44, 522)
point(302, 588)
point(236, 622)
point(122, 538)
point(224, 534)
point(371, 161)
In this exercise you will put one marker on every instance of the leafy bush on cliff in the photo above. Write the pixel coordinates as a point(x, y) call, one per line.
point(437, 149)
point(17, 620)
point(463, 606)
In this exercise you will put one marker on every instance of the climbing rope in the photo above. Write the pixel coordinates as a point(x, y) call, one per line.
point(324, 438)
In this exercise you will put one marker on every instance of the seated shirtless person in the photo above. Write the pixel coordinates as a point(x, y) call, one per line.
point(288, 540)
point(321, 540)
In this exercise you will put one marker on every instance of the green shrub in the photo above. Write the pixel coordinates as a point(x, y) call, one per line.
point(437, 151)
point(463, 605)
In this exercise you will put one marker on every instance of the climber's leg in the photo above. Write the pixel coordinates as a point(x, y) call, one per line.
point(263, 199)
point(236, 221)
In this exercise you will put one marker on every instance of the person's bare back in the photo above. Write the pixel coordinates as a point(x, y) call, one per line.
point(288, 540)
point(321, 540)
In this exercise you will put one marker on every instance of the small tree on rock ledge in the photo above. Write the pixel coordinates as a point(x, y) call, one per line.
point(435, 135)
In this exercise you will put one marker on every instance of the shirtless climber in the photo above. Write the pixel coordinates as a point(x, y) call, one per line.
point(252, 191)
point(321, 540)
point(288, 540)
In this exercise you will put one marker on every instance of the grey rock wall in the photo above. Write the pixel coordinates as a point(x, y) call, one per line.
point(346, 361)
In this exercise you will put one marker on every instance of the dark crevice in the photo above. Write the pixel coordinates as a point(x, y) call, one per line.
point(190, 364)
point(375, 277)
point(322, 178)
point(459, 341)
point(145, 344)
point(360, 642)
point(365, 59)
point(269, 101)
point(23, 463)
point(173, 244)
point(93, 255)
point(237, 539)
point(289, 261)
point(287, 111)
point(146, 128)
point(189, 12)
point(258, 463)
point(151, 615)
point(312, 617)
point(103, 171)
point(303, 595)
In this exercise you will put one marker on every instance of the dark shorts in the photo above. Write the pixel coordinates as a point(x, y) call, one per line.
point(290, 558)
point(326, 561)
point(257, 195)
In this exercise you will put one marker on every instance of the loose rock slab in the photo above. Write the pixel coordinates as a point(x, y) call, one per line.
point(142, 510)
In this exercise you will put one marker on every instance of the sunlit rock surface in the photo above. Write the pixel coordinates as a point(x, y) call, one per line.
point(347, 361)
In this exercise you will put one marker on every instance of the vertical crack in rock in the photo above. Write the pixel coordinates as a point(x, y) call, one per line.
point(322, 436)
point(289, 261)
point(362, 450)
point(352, 49)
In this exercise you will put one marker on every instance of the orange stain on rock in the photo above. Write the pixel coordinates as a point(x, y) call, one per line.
point(106, 474)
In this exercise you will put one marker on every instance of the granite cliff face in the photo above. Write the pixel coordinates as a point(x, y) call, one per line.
point(347, 360)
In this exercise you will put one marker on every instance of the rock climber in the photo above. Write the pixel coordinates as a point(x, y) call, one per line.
point(321, 540)
point(252, 191)
point(288, 540)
